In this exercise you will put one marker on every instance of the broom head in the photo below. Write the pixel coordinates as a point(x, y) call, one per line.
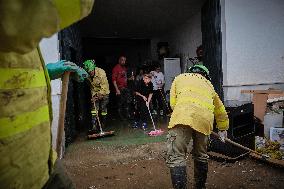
point(101, 135)
point(156, 132)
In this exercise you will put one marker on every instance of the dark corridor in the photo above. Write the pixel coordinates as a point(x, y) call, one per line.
point(106, 52)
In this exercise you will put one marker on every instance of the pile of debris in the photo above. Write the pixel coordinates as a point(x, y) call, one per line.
point(269, 148)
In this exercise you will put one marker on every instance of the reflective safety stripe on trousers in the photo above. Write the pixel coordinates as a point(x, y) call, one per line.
point(16, 79)
point(104, 113)
point(94, 112)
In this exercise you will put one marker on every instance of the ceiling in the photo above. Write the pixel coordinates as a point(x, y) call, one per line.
point(137, 18)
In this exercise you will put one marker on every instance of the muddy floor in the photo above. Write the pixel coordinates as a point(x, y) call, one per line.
point(112, 164)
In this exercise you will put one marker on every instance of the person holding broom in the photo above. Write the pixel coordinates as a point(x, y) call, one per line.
point(100, 93)
point(144, 93)
point(195, 104)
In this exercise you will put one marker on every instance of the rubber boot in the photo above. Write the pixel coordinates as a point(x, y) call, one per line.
point(135, 124)
point(103, 121)
point(144, 126)
point(179, 177)
point(154, 112)
point(200, 174)
point(161, 113)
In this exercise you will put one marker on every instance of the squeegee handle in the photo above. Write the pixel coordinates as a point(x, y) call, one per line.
point(98, 117)
point(237, 144)
point(151, 116)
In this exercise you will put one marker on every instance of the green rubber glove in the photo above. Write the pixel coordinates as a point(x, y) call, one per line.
point(80, 75)
point(56, 70)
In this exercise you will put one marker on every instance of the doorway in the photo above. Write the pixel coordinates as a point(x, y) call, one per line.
point(106, 52)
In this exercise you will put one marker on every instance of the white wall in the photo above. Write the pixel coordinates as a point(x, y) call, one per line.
point(49, 48)
point(183, 40)
point(253, 51)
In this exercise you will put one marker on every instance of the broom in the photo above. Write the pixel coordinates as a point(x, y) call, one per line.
point(101, 133)
point(155, 132)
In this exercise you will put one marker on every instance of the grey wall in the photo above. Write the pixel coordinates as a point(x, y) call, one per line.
point(253, 51)
point(183, 39)
point(49, 48)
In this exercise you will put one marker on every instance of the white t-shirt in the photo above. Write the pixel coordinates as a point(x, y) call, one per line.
point(158, 80)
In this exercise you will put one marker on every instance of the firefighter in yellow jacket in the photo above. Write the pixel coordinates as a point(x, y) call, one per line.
point(26, 157)
point(195, 104)
point(100, 92)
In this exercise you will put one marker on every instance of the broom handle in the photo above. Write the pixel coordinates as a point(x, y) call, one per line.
point(98, 117)
point(62, 109)
point(237, 144)
point(151, 117)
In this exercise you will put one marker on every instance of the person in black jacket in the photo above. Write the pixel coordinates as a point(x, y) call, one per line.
point(143, 93)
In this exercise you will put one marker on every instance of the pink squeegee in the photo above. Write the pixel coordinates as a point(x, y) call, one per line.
point(156, 132)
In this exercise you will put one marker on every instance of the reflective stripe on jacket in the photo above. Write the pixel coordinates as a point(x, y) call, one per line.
point(195, 103)
point(25, 106)
point(99, 83)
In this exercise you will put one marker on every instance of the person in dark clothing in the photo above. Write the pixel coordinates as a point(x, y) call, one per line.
point(119, 80)
point(158, 80)
point(139, 76)
point(144, 93)
point(131, 89)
